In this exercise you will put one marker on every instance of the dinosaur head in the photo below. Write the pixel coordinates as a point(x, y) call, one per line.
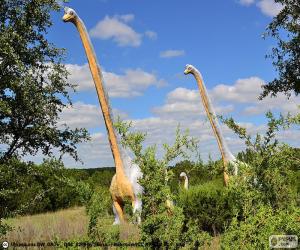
point(182, 175)
point(70, 15)
point(189, 69)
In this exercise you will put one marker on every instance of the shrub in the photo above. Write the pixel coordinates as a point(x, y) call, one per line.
point(162, 224)
point(255, 230)
point(193, 238)
point(98, 206)
point(4, 228)
point(207, 205)
point(106, 234)
point(27, 188)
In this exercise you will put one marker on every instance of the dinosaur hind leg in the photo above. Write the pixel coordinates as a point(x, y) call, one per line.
point(117, 218)
point(118, 208)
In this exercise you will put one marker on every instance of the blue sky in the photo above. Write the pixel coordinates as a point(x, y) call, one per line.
point(143, 46)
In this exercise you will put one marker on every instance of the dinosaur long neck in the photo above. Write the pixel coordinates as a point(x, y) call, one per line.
point(226, 154)
point(102, 96)
point(186, 183)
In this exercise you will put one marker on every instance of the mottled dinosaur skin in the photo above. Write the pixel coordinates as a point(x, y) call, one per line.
point(120, 188)
point(227, 157)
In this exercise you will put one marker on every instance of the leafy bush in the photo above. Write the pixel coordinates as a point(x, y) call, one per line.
point(27, 188)
point(198, 172)
point(208, 206)
point(255, 230)
point(98, 206)
point(193, 238)
point(265, 193)
point(273, 168)
point(106, 234)
point(162, 222)
point(4, 228)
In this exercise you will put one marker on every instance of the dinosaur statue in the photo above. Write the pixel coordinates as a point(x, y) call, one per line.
point(227, 156)
point(183, 176)
point(169, 203)
point(124, 184)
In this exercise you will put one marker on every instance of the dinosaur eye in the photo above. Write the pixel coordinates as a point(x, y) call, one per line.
point(71, 13)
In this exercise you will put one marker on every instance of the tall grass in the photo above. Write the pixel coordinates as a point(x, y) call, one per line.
point(61, 225)
point(69, 225)
point(66, 225)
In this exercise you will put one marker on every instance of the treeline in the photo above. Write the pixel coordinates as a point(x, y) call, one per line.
point(28, 188)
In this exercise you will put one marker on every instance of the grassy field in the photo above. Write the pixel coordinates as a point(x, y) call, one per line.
point(61, 225)
point(70, 225)
point(65, 225)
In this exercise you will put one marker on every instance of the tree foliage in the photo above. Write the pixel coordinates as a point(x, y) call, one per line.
point(265, 194)
point(34, 87)
point(162, 221)
point(255, 230)
point(26, 188)
point(285, 28)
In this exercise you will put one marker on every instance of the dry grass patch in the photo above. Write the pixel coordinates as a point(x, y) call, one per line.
point(71, 224)
point(67, 225)
point(61, 225)
point(129, 233)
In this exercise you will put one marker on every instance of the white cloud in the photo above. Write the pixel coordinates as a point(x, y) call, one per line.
point(94, 153)
point(151, 34)
point(243, 90)
point(116, 28)
point(183, 102)
point(172, 53)
point(132, 83)
point(162, 130)
point(126, 18)
point(183, 94)
point(80, 75)
point(246, 91)
point(83, 115)
point(246, 2)
point(269, 7)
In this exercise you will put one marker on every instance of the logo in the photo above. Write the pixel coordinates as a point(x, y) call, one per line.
point(5, 244)
point(283, 241)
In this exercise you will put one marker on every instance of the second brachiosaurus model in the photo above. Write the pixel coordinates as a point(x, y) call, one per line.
point(124, 184)
point(227, 156)
point(183, 176)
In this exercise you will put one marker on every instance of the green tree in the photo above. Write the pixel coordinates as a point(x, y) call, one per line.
point(34, 87)
point(285, 28)
point(162, 221)
point(26, 188)
point(274, 164)
point(264, 197)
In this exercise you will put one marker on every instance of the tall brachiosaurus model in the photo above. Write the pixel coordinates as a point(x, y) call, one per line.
point(227, 156)
point(124, 183)
point(183, 176)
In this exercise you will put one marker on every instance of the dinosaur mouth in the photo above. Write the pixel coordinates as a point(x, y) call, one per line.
point(186, 72)
point(67, 18)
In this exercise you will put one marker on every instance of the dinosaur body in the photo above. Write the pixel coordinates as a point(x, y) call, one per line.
point(124, 183)
point(227, 156)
